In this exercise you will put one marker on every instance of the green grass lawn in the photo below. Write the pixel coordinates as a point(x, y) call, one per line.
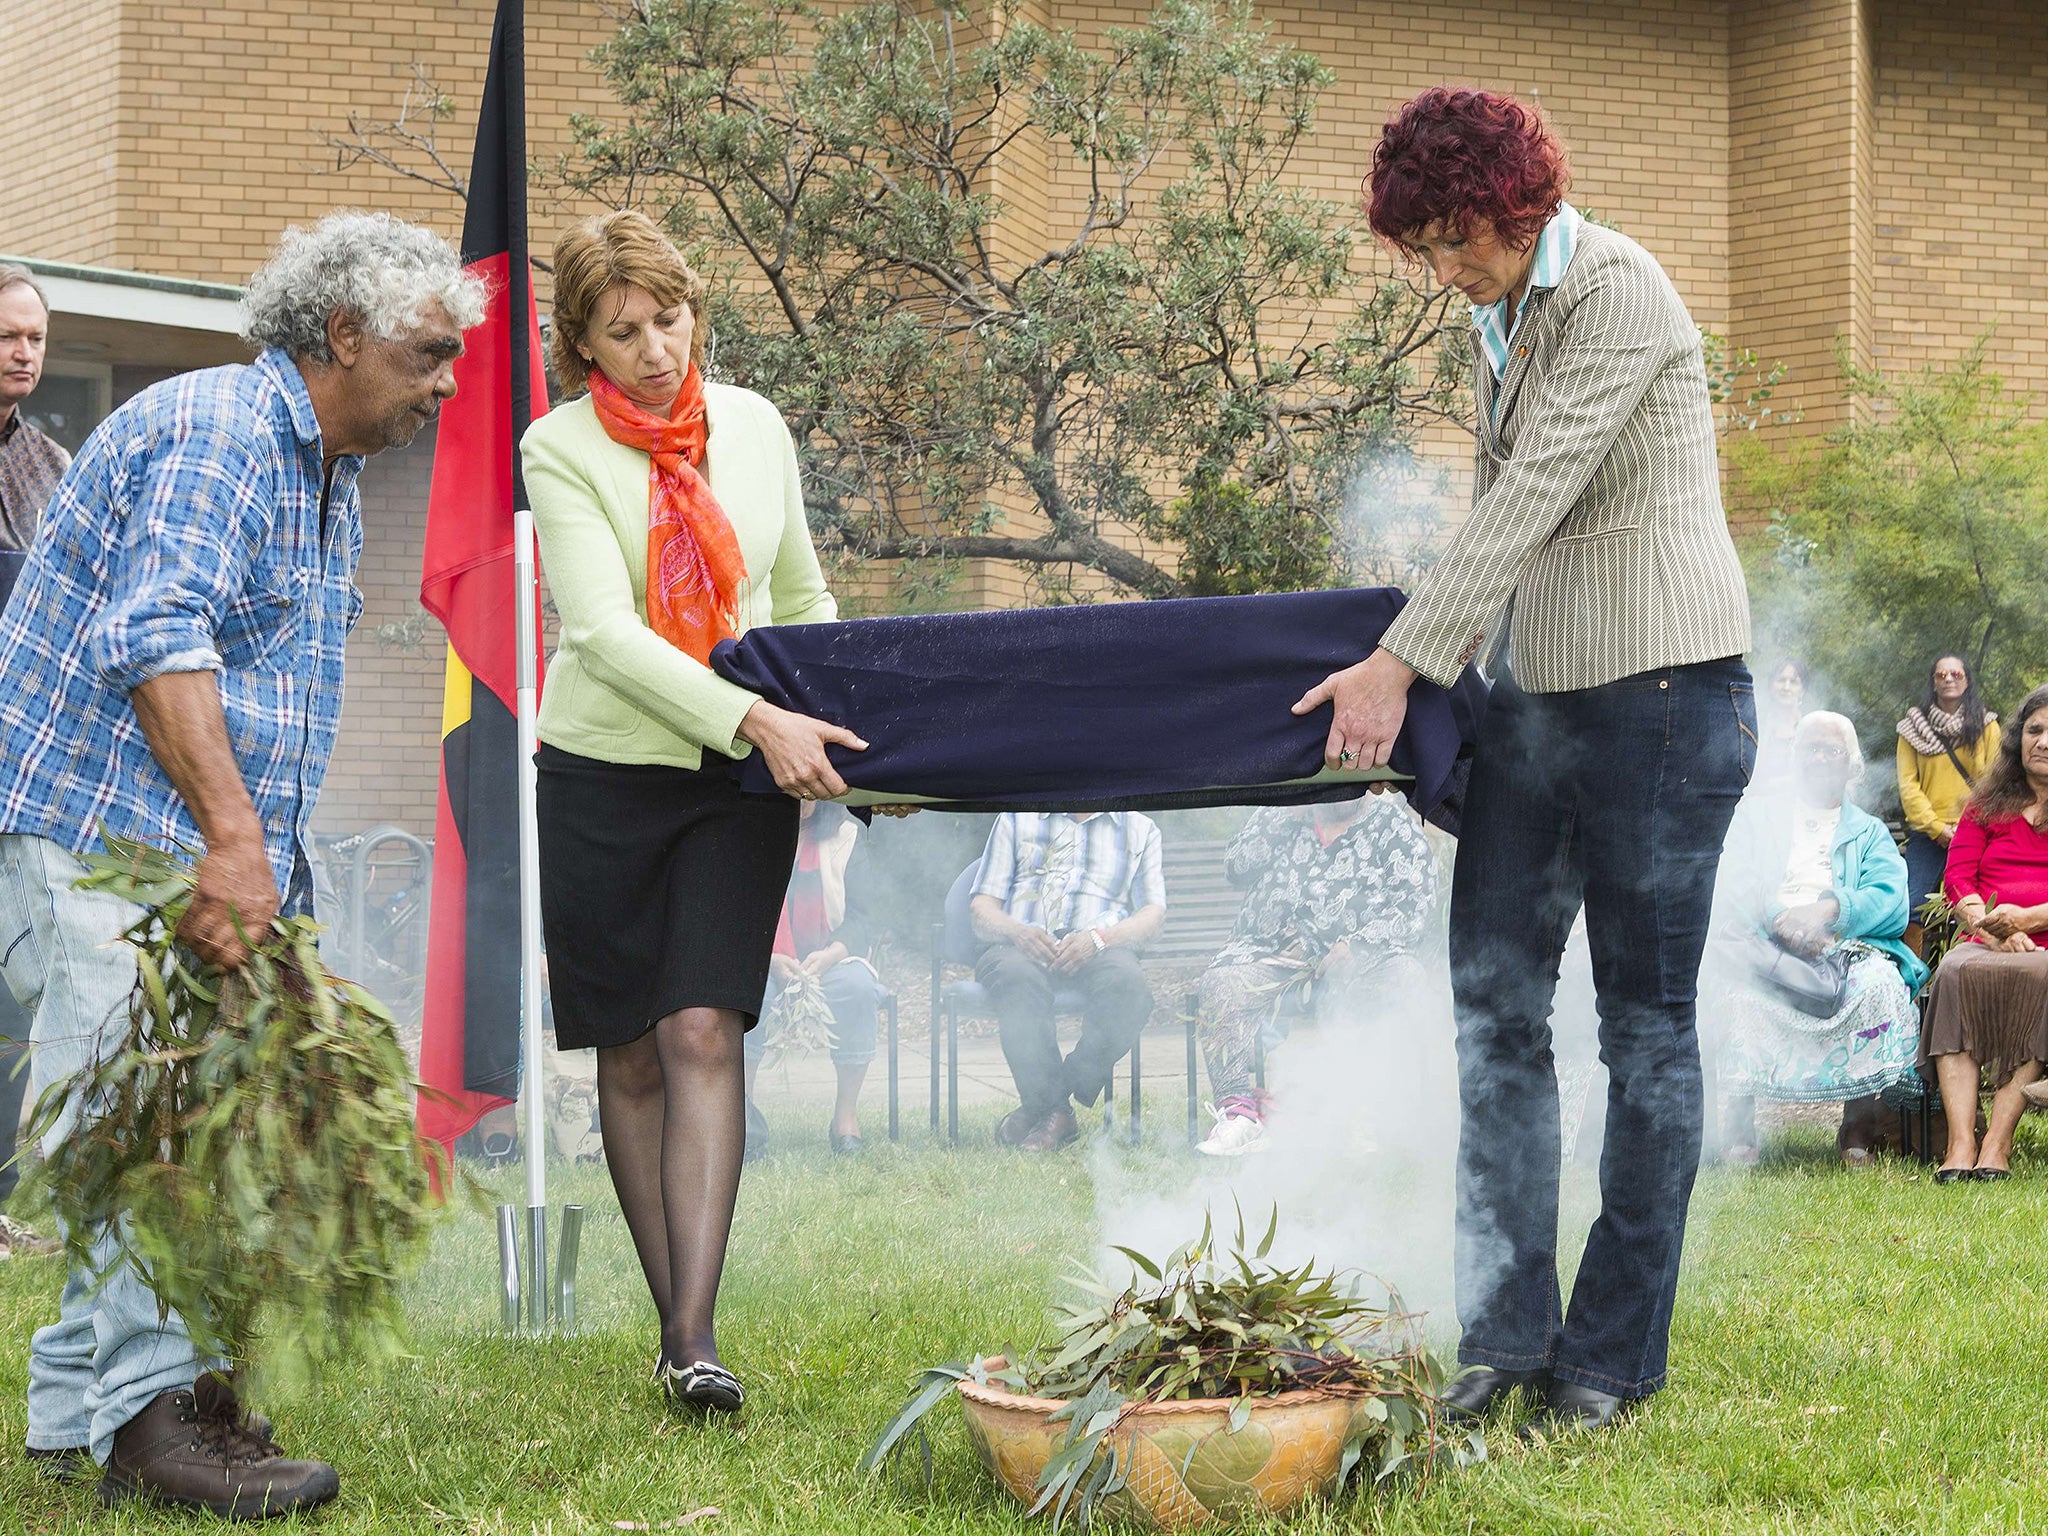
point(1853, 1353)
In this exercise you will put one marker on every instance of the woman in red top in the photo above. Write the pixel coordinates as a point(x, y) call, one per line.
point(1990, 998)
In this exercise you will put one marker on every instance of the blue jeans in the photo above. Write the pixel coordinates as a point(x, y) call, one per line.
point(856, 999)
point(14, 1027)
point(1926, 863)
point(109, 1354)
point(1617, 798)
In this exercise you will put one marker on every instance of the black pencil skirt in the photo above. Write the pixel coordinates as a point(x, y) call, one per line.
point(660, 889)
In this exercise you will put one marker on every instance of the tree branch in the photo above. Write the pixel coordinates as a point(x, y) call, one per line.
point(1097, 554)
point(412, 134)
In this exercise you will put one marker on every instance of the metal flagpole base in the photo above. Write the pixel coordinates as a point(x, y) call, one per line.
point(537, 1269)
point(508, 1267)
point(565, 1269)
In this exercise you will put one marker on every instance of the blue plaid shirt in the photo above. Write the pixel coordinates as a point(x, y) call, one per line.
point(189, 536)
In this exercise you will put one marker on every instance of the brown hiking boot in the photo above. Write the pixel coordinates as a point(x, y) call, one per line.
point(197, 1450)
point(1052, 1133)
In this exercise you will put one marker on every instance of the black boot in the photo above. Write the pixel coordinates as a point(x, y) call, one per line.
point(1472, 1396)
point(1567, 1407)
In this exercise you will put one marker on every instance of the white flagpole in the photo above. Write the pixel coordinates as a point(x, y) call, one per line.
point(527, 593)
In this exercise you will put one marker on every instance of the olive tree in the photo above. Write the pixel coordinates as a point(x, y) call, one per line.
point(1174, 340)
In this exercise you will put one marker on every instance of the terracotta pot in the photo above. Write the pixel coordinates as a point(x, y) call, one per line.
point(1188, 1467)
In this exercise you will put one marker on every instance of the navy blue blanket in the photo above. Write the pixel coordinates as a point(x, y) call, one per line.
point(1115, 706)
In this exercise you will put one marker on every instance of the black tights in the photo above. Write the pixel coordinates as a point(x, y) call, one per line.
point(673, 1113)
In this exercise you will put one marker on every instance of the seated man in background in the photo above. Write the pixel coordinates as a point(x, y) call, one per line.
point(30, 467)
point(822, 963)
point(1063, 902)
point(1340, 894)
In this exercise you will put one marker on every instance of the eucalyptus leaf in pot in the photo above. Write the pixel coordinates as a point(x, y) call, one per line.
point(1209, 1389)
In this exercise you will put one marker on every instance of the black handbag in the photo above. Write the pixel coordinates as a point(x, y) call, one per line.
point(1817, 985)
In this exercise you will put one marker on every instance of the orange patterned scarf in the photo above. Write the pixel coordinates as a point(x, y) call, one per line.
point(694, 566)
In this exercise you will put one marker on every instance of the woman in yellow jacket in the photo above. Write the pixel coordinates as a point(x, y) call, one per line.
point(1945, 745)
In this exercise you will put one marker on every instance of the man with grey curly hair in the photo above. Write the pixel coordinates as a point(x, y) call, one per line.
point(384, 281)
point(174, 655)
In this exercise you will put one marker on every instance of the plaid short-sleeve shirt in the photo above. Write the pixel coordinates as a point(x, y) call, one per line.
point(1065, 873)
point(196, 532)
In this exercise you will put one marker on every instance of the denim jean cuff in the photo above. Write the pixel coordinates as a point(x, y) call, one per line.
point(60, 1440)
point(1496, 1360)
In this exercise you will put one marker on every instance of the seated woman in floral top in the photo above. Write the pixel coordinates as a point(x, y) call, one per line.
point(1338, 893)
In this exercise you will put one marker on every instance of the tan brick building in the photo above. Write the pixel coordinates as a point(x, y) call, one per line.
point(1869, 171)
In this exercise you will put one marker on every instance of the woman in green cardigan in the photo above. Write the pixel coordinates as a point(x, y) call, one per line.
point(669, 517)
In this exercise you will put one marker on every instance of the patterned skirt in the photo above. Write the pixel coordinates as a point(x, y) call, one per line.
point(1776, 1052)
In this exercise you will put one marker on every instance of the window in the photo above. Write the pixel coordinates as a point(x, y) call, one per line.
point(71, 400)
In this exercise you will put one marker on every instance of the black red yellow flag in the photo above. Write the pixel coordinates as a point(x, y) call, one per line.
point(469, 1052)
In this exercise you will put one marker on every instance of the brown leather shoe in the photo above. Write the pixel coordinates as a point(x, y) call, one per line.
point(1052, 1133)
point(1015, 1126)
point(197, 1450)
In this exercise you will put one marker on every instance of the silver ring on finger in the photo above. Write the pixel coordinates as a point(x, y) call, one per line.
point(1346, 755)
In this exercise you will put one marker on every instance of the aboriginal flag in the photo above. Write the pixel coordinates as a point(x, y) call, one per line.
point(469, 1051)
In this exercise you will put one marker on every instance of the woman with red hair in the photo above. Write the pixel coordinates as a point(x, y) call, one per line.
point(1620, 734)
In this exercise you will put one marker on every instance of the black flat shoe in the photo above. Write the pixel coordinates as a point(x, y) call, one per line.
point(1569, 1408)
point(1990, 1175)
point(1953, 1175)
point(1473, 1395)
point(846, 1146)
point(700, 1384)
point(65, 1463)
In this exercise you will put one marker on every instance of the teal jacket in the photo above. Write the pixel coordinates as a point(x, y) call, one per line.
point(1869, 871)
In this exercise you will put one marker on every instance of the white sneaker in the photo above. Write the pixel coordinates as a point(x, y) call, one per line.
point(1235, 1134)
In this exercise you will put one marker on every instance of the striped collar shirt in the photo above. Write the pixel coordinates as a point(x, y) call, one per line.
point(1061, 874)
point(1554, 249)
point(197, 531)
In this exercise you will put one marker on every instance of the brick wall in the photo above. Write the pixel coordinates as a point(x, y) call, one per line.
point(59, 180)
point(221, 134)
point(1794, 118)
point(1962, 190)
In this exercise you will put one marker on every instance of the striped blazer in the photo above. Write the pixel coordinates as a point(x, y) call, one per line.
point(1597, 505)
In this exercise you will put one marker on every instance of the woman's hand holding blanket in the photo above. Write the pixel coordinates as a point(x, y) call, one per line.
point(794, 746)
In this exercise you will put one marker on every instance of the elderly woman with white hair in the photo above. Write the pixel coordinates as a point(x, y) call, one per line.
point(1816, 987)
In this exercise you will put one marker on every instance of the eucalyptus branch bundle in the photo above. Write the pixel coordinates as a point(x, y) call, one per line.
point(1290, 992)
point(249, 1136)
point(801, 1023)
point(1941, 927)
